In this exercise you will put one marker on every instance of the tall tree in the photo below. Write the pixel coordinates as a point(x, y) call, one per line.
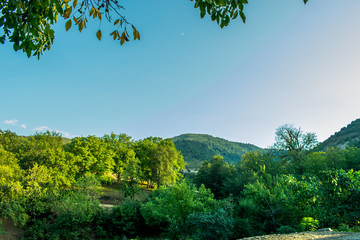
point(94, 156)
point(291, 142)
point(160, 161)
point(213, 174)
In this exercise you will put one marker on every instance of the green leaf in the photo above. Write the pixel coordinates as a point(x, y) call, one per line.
point(68, 25)
point(243, 17)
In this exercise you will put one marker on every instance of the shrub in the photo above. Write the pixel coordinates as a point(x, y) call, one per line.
point(309, 224)
point(286, 229)
point(127, 219)
point(217, 224)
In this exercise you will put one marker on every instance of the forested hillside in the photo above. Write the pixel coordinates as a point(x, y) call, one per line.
point(349, 135)
point(197, 148)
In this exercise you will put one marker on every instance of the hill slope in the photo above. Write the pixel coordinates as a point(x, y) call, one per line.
point(349, 135)
point(197, 148)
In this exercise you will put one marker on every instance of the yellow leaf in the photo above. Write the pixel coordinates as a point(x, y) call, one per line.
point(114, 33)
point(134, 32)
point(122, 38)
point(81, 25)
point(66, 1)
point(98, 34)
point(68, 25)
point(92, 11)
point(116, 22)
point(75, 20)
point(121, 22)
point(75, 3)
point(99, 14)
point(67, 12)
point(138, 35)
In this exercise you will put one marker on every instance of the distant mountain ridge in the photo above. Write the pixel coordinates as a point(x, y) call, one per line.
point(349, 135)
point(197, 148)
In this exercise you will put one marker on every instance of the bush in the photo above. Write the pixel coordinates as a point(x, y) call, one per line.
point(217, 224)
point(286, 229)
point(127, 219)
point(309, 224)
point(170, 207)
point(248, 219)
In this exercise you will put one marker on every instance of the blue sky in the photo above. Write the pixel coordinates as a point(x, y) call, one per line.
point(289, 63)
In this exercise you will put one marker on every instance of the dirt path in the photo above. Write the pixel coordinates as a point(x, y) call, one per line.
point(327, 235)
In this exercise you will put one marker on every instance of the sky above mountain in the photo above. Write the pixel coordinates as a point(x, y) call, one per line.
point(289, 63)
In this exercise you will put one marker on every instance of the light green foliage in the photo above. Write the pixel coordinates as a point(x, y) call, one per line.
point(46, 149)
point(93, 155)
point(10, 184)
point(159, 160)
point(170, 207)
point(309, 224)
point(122, 146)
point(30, 197)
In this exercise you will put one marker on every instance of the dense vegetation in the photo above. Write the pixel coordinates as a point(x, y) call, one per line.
point(349, 135)
point(197, 148)
point(52, 189)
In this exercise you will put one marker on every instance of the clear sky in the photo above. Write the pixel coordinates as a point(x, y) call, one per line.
point(289, 63)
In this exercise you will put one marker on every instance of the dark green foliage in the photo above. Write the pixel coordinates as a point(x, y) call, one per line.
point(217, 224)
point(349, 135)
point(273, 196)
point(126, 219)
point(248, 218)
point(197, 148)
point(338, 199)
point(213, 174)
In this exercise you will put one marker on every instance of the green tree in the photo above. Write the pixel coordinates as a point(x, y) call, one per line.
point(213, 174)
point(170, 207)
point(159, 160)
point(292, 142)
point(273, 197)
point(93, 156)
point(122, 146)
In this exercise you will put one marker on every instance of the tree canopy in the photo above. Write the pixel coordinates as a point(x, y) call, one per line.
point(28, 24)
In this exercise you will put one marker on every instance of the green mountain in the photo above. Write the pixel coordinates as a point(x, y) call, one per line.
point(349, 135)
point(197, 148)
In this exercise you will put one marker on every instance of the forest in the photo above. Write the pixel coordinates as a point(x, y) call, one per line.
point(52, 188)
